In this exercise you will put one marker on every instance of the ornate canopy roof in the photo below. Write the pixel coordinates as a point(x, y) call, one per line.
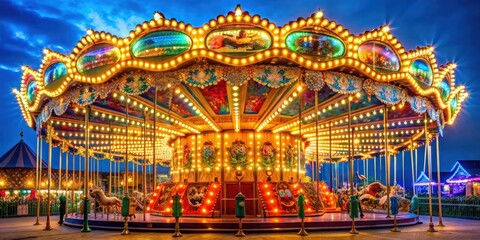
point(241, 72)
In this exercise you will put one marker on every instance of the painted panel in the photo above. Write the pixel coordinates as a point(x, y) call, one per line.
point(256, 96)
point(317, 45)
point(238, 41)
point(454, 105)
point(422, 73)
point(98, 59)
point(32, 90)
point(161, 45)
point(54, 75)
point(216, 96)
point(379, 56)
point(444, 87)
point(308, 101)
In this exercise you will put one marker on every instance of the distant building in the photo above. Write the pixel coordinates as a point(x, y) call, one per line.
point(465, 178)
point(421, 184)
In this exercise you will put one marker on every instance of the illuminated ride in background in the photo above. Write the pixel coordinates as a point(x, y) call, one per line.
point(239, 93)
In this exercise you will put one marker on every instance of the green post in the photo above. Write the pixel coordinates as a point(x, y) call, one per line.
point(354, 207)
point(177, 213)
point(86, 209)
point(125, 214)
point(301, 214)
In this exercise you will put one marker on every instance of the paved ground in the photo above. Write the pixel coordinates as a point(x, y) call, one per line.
point(22, 228)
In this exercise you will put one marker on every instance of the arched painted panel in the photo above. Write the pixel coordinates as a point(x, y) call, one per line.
point(379, 56)
point(161, 45)
point(316, 45)
point(98, 59)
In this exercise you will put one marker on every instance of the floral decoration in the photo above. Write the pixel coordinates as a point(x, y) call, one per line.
point(268, 153)
point(289, 156)
point(187, 156)
point(238, 153)
point(209, 154)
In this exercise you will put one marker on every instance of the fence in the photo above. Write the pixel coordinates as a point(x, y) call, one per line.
point(27, 208)
point(453, 207)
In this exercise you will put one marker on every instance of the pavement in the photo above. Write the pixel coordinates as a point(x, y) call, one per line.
point(458, 229)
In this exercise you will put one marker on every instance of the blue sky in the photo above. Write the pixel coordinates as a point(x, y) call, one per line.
point(26, 27)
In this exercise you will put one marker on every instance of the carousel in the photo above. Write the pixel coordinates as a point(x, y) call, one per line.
point(238, 104)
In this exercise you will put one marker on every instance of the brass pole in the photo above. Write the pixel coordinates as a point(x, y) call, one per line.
point(429, 158)
point(330, 156)
point(144, 170)
point(351, 154)
point(86, 207)
point(413, 167)
point(74, 201)
point(38, 164)
point(66, 182)
point(110, 160)
point(395, 169)
point(374, 168)
point(316, 150)
point(439, 188)
point(49, 139)
point(403, 172)
point(125, 176)
point(59, 168)
point(387, 157)
point(155, 140)
point(299, 143)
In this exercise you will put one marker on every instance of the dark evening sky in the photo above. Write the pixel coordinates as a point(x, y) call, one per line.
point(26, 27)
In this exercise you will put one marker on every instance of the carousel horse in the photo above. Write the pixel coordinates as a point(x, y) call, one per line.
point(361, 177)
point(105, 202)
point(81, 209)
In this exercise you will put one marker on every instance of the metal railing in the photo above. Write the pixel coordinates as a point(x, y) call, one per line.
point(453, 207)
point(27, 208)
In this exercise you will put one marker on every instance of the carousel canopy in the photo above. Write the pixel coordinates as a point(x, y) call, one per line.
point(310, 78)
point(20, 156)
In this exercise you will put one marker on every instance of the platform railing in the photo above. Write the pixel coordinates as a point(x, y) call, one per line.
point(460, 207)
point(27, 208)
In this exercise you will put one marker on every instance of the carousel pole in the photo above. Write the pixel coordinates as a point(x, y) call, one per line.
point(425, 158)
point(125, 177)
point(395, 169)
point(110, 160)
point(144, 170)
point(403, 172)
point(439, 188)
point(316, 148)
point(387, 158)
point(413, 167)
point(380, 168)
point(38, 170)
point(73, 184)
point(49, 139)
point(86, 180)
point(351, 155)
point(416, 163)
point(60, 168)
point(299, 141)
point(427, 147)
point(366, 169)
point(66, 181)
point(154, 140)
point(330, 155)
point(375, 168)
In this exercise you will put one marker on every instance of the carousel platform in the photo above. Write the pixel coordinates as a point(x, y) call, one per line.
point(328, 221)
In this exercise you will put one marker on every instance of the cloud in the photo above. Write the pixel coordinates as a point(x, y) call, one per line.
point(10, 68)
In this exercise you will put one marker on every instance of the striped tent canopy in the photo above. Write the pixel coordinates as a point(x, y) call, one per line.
point(20, 156)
